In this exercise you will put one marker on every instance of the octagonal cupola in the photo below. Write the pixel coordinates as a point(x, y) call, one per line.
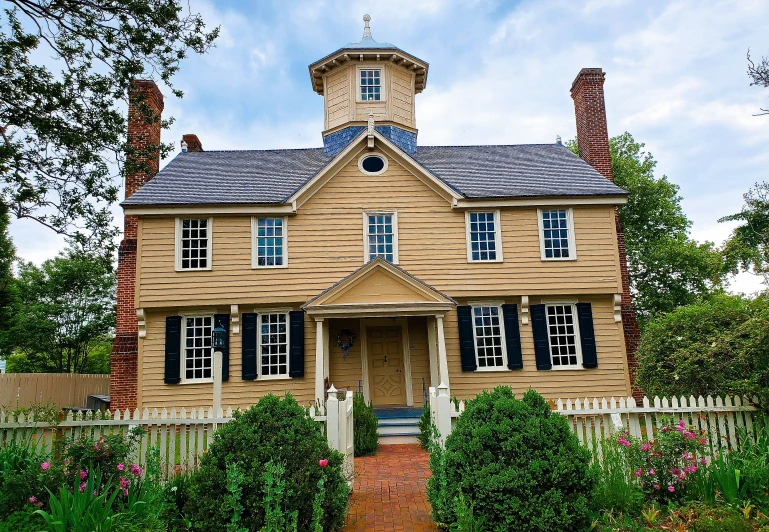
point(369, 77)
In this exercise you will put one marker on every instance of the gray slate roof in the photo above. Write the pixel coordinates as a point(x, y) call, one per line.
point(272, 176)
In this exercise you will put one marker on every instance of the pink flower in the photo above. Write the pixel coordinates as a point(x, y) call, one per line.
point(96, 446)
point(323, 462)
point(136, 470)
point(125, 492)
point(703, 441)
point(680, 422)
point(123, 482)
point(33, 499)
point(703, 461)
point(82, 487)
point(646, 446)
point(665, 429)
point(83, 475)
point(656, 486)
point(120, 467)
point(638, 473)
point(45, 466)
point(651, 471)
point(671, 489)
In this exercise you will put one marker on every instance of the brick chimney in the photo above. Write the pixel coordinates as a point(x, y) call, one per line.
point(192, 142)
point(593, 143)
point(145, 106)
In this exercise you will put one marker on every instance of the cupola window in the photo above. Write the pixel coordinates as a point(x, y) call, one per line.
point(371, 85)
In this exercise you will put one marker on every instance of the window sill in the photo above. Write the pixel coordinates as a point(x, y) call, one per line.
point(496, 261)
point(273, 378)
point(493, 370)
point(558, 259)
point(282, 266)
point(578, 367)
point(180, 270)
point(197, 381)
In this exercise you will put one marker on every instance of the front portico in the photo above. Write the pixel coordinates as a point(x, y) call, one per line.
point(397, 320)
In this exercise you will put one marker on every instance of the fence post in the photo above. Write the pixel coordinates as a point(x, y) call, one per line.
point(342, 408)
point(444, 412)
point(332, 419)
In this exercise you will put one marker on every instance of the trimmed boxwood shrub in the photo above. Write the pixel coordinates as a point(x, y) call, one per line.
point(365, 427)
point(516, 464)
point(274, 430)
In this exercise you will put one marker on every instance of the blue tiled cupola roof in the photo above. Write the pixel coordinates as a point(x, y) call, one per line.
point(335, 142)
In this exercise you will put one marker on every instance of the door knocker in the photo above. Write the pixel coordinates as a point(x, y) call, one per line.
point(345, 339)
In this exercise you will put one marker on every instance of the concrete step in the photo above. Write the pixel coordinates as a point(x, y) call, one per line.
point(399, 429)
point(395, 439)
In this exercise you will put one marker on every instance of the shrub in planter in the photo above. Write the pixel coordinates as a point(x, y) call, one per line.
point(516, 464)
point(277, 431)
point(365, 427)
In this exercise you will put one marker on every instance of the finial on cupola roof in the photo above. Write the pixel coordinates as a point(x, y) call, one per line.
point(366, 28)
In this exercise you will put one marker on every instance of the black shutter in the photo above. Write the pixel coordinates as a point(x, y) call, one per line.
point(224, 321)
point(587, 335)
point(296, 347)
point(541, 340)
point(173, 350)
point(466, 341)
point(512, 336)
point(249, 346)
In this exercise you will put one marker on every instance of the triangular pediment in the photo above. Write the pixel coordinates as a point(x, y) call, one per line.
point(379, 284)
point(359, 144)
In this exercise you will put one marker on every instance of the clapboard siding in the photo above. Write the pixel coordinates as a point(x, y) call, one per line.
point(344, 373)
point(609, 379)
point(337, 98)
point(236, 393)
point(326, 244)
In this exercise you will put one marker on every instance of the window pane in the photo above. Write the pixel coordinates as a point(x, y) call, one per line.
point(269, 242)
point(194, 244)
point(555, 234)
point(488, 337)
point(483, 236)
point(381, 236)
point(274, 341)
point(563, 340)
point(370, 85)
point(198, 355)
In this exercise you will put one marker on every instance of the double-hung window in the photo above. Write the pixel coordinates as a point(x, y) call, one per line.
point(273, 344)
point(197, 361)
point(484, 241)
point(269, 239)
point(370, 85)
point(563, 335)
point(489, 336)
point(556, 234)
point(193, 244)
point(380, 232)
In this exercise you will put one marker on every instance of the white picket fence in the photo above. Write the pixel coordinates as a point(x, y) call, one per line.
point(723, 422)
point(180, 436)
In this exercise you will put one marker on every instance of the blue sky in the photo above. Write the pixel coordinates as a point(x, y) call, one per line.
point(500, 73)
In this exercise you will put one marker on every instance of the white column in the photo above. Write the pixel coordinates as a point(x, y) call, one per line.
point(432, 350)
point(217, 383)
point(443, 363)
point(319, 359)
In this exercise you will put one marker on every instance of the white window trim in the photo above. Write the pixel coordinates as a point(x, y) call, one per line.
point(570, 228)
point(260, 374)
point(497, 236)
point(255, 247)
point(577, 337)
point(366, 214)
point(382, 84)
point(365, 156)
point(183, 348)
point(503, 337)
point(178, 244)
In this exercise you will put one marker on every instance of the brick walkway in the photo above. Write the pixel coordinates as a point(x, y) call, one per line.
point(389, 491)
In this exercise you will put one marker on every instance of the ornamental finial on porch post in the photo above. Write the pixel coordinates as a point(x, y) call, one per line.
point(366, 28)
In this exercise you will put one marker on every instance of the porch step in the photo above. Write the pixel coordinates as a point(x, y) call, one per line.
point(398, 425)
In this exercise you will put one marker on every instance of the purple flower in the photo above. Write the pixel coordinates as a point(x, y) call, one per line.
point(82, 487)
point(83, 475)
point(671, 489)
point(45, 466)
point(136, 470)
point(120, 467)
point(33, 499)
point(646, 446)
point(651, 471)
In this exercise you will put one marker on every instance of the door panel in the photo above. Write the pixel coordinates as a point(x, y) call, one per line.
point(385, 358)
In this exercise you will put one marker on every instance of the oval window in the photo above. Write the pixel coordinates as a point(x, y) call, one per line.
point(372, 164)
